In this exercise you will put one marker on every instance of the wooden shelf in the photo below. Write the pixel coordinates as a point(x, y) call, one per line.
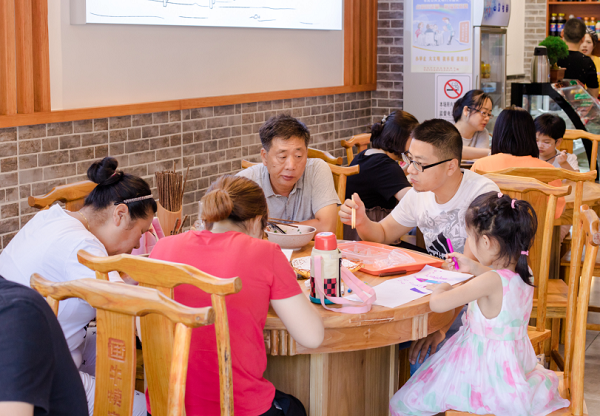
point(573, 3)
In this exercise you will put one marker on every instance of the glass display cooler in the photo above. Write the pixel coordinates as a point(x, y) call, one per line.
point(490, 74)
point(567, 99)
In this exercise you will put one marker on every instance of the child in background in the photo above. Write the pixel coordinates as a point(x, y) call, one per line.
point(549, 131)
point(489, 366)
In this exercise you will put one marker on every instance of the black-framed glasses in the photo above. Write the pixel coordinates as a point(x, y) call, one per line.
point(483, 113)
point(417, 165)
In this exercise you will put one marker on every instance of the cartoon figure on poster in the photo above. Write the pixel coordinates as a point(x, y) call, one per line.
point(441, 40)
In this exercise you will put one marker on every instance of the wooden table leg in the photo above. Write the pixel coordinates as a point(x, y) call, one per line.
point(319, 384)
point(354, 383)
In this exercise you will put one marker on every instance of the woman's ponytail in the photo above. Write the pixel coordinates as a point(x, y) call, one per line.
point(216, 206)
point(457, 110)
point(235, 198)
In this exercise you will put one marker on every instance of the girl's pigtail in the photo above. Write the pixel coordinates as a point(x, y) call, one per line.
point(526, 227)
point(522, 268)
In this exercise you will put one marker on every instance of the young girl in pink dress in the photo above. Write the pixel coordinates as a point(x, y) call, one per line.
point(488, 366)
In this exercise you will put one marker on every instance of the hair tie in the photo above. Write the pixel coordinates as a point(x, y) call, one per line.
point(109, 178)
point(512, 204)
point(525, 253)
point(384, 119)
point(500, 195)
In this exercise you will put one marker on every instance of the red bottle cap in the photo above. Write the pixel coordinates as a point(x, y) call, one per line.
point(325, 241)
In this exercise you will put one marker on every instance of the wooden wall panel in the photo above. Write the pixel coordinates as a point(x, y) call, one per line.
point(360, 42)
point(24, 44)
point(8, 87)
point(41, 56)
point(25, 70)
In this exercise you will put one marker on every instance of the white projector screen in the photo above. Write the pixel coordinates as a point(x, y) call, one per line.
point(280, 14)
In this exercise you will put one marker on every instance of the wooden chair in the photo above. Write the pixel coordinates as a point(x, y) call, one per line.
point(73, 195)
point(557, 288)
point(326, 156)
point(117, 306)
point(340, 175)
point(571, 135)
point(157, 332)
point(571, 381)
point(362, 141)
point(542, 198)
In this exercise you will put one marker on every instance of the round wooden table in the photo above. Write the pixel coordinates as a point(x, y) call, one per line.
point(591, 197)
point(356, 370)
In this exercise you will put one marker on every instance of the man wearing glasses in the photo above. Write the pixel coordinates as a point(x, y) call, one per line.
point(436, 204)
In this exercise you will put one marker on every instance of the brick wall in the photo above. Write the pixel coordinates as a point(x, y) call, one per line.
point(535, 29)
point(390, 59)
point(212, 141)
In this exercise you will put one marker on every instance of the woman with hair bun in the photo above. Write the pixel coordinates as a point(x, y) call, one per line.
point(114, 217)
point(472, 112)
point(381, 182)
point(234, 214)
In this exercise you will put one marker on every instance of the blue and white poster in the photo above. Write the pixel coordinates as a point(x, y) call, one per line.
point(441, 36)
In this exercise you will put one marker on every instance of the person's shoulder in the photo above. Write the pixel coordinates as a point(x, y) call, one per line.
point(14, 294)
point(582, 57)
point(316, 169)
point(316, 164)
point(253, 172)
point(255, 246)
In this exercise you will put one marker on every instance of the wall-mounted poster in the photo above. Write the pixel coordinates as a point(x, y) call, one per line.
point(441, 38)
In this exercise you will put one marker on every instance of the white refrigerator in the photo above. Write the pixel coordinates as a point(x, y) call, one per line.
point(467, 50)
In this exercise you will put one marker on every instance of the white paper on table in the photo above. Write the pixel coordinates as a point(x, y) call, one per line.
point(395, 292)
point(288, 253)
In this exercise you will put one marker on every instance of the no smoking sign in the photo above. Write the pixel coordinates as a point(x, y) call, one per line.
point(453, 89)
point(448, 89)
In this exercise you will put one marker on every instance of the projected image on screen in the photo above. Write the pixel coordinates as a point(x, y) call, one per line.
point(281, 14)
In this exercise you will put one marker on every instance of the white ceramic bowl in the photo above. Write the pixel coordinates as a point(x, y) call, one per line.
point(295, 237)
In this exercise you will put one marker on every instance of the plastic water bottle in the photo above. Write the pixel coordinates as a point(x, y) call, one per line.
point(331, 261)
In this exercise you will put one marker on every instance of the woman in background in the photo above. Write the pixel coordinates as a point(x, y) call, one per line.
point(381, 182)
point(471, 113)
point(590, 40)
point(514, 145)
point(234, 214)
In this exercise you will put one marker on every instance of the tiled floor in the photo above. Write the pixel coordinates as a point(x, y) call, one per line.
point(592, 357)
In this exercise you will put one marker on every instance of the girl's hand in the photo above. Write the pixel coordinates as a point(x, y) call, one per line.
point(465, 264)
point(442, 287)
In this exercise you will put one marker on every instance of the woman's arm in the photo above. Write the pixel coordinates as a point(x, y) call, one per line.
point(16, 409)
point(301, 319)
point(470, 153)
point(402, 192)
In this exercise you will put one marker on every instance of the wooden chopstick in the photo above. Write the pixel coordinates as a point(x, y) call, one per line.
point(181, 225)
point(175, 227)
point(353, 225)
point(286, 222)
point(274, 225)
point(281, 223)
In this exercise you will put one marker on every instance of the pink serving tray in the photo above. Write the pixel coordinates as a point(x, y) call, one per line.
point(421, 260)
